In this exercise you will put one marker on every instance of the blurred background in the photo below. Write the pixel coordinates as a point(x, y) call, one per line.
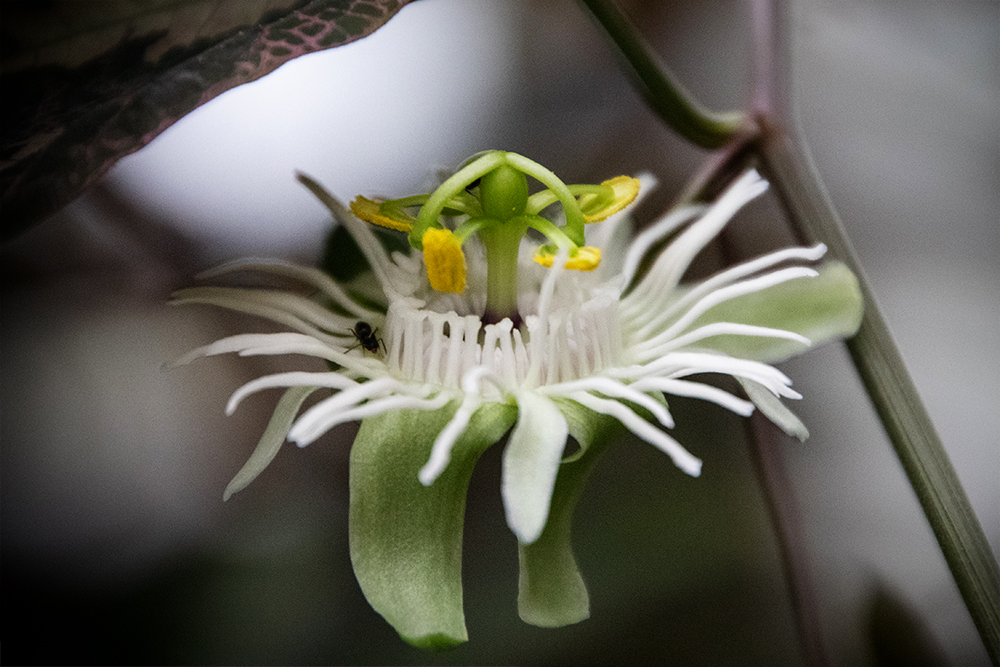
point(116, 546)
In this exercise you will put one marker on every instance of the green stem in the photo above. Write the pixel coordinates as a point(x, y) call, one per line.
point(667, 97)
point(786, 163)
point(872, 349)
point(895, 398)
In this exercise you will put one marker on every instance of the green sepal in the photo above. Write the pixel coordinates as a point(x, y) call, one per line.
point(271, 440)
point(406, 538)
point(551, 590)
point(772, 408)
point(826, 307)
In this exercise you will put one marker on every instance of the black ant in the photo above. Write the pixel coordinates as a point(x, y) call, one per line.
point(367, 338)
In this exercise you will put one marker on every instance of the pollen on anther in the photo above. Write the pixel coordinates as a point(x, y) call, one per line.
point(444, 260)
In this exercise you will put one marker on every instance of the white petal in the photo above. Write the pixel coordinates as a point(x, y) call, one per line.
point(538, 325)
point(530, 464)
point(668, 268)
point(292, 379)
point(696, 390)
point(719, 296)
point(244, 301)
point(307, 274)
point(681, 457)
point(717, 329)
point(681, 364)
point(294, 304)
point(614, 388)
point(441, 451)
point(239, 343)
point(549, 285)
point(320, 417)
point(359, 230)
point(741, 271)
point(651, 235)
point(369, 409)
point(775, 387)
point(285, 343)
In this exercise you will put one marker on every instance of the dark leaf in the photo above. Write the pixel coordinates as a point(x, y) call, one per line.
point(87, 82)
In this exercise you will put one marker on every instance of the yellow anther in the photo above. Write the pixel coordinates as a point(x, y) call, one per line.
point(544, 258)
point(371, 211)
point(445, 260)
point(586, 258)
point(626, 189)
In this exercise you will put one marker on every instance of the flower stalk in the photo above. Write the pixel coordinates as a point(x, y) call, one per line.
point(657, 84)
point(769, 135)
point(895, 398)
point(873, 349)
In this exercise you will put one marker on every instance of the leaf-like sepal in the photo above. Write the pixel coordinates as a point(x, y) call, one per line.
point(551, 590)
point(823, 308)
point(406, 538)
point(271, 440)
